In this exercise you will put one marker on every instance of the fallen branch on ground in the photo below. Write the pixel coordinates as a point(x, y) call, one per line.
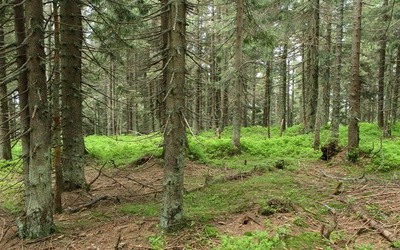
point(342, 178)
point(371, 222)
point(88, 204)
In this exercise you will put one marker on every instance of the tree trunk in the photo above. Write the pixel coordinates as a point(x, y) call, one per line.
point(382, 67)
point(313, 68)
point(326, 74)
point(58, 189)
point(71, 81)
point(355, 85)
point(238, 89)
point(337, 76)
point(19, 26)
point(38, 220)
point(396, 87)
point(283, 93)
point(267, 96)
point(175, 130)
point(5, 143)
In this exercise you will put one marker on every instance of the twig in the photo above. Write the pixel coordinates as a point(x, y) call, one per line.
point(98, 175)
point(140, 183)
point(88, 204)
point(117, 243)
point(371, 222)
point(342, 178)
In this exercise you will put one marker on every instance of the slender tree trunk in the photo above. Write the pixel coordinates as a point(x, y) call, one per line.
point(165, 60)
point(381, 69)
point(238, 89)
point(19, 26)
point(56, 114)
point(38, 220)
point(336, 89)
point(303, 86)
point(283, 94)
point(326, 74)
point(396, 87)
point(355, 85)
point(267, 96)
point(71, 82)
point(5, 142)
point(175, 130)
point(313, 70)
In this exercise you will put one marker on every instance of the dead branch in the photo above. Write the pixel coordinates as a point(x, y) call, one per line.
point(342, 178)
point(327, 231)
point(141, 183)
point(371, 222)
point(88, 204)
point(118, 242)
point(98, 175)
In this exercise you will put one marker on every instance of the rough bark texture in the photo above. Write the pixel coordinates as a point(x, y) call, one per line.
point(382, 67)
point(337, 75)
point(313, 68)
point(71, 78)
point(396, 87)
point(55, 92)
point(355, 85)
point(267, 97)
point(238, 88)
point(38, 220)
point(5, 143)
point(327, 61)
point(19, 26)
point(282, 120)
point(175, 129)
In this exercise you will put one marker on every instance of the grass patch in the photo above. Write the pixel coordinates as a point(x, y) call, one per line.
point(123, 149)
point(148, 209)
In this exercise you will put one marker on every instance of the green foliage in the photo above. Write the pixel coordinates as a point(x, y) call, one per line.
point(144, 209)
point(157, 242)
point(254, 240)
point(123, 149)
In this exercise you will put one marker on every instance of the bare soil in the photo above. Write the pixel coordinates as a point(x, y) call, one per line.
point(364, 199)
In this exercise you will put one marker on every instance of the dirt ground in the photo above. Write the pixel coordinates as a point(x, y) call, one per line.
point(369, 213)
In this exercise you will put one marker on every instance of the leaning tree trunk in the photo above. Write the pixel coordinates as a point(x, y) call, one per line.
point(71, 78)
point(337, 76)
point(5, 143)
point(38, 220)
point(175, 129)
point(355, 85)
point(238, 88)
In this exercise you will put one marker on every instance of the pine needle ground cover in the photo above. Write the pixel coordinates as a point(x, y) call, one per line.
point(276, 194)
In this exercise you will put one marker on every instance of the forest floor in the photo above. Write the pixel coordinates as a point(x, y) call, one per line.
point(351, 210)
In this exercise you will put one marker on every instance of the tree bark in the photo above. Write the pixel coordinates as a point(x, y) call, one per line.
point(313, 68)
point(38, 220)
point(55, 91)
point(238, 89)
point(396, 87)
point(355, 85)
point(5, 142)
point(175, 129)
point(336, 89)
point(19, 27)
point(267, 96)
point(71, 82)
point(382, 67)
point(283, 94)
